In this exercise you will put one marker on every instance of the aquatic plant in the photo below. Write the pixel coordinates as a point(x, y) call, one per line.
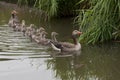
point(100, 23)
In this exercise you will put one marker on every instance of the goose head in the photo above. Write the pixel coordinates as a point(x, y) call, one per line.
point(54, 33)
point(13, 13)
point(75, 34)
point(39, 31)
point(23, 22)
point(30, 29)
point(44, 33)
point(32, 25)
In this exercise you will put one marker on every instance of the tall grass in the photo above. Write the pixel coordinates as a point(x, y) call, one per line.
point(100, 23)
point(48, 6)
point(22, 2)
point(53, 8)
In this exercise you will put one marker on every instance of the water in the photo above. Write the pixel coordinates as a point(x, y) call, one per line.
point(21, 59)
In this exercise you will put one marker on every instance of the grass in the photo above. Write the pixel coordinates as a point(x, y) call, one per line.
point(48, 6)
point(53, 8)
point(100, 23)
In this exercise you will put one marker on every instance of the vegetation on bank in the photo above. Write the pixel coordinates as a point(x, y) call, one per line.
point(101, 22)
point(98, 19)
point(53, 8)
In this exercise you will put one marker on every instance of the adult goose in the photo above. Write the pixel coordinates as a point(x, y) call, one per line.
point(13, 21)
point(67, 47)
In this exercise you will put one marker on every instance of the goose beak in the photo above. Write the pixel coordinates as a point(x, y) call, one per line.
point(79, 33)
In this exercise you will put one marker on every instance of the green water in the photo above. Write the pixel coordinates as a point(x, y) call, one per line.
point(21, 59)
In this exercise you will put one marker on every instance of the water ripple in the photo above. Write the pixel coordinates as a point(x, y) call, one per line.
point(13, 45)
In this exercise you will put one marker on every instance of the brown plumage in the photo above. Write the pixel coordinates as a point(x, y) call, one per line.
point(66, 46)
point(13, 21)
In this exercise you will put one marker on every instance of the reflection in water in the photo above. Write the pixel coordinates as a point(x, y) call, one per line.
point(25, 60)
point(103, 63)
point(64, 68)
point(95, 63)
point(24, 70)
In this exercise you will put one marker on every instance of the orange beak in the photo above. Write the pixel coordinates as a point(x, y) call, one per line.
point(79, 33)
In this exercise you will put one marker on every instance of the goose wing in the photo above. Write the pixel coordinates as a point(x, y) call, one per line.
point(67, 44)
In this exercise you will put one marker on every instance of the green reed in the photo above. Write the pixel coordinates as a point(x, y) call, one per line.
point(100, 23)
point(53, 8)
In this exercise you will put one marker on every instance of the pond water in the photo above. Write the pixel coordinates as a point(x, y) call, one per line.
point(21, 59)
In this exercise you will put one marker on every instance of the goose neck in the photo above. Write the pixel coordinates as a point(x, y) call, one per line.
point(13, 15)
point(75, 41)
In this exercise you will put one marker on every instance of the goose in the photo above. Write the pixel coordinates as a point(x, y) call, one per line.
point(38, 35)
point(35, 37)
point(29, 30)
point(13, 21)
point(20, 26)
point(39, 32)
point(10, 23)
point(45, 41)
point(66, 46)
point(23, 27)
